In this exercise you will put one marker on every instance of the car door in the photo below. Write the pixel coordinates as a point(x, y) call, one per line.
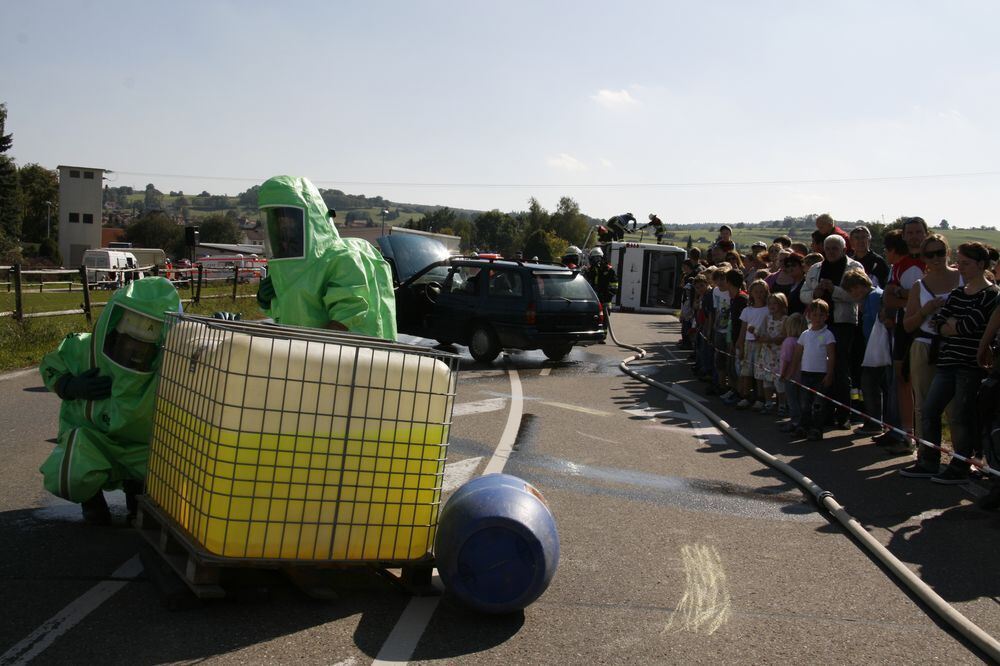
point(457, 304)
point(505, 304)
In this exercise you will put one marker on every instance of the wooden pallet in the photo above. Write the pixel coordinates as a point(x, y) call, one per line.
point(208, 576)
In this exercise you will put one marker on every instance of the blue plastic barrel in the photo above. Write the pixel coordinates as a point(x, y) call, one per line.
point(497, 547)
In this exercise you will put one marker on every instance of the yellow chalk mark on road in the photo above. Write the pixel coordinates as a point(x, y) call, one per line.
point(705, 605)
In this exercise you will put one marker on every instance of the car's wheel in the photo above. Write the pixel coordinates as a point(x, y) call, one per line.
point(483, 344)
point(557, 352)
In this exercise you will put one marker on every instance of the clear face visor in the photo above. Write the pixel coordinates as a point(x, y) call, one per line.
point(131, 344)
point(285, 232)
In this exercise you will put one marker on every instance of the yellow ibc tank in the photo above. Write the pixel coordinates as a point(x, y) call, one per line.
point(320, 449)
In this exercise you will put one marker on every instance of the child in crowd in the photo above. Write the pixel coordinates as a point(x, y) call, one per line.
point(701, 316)
point(792, 328)
point(738, 300)
point(688, 272)
point(748, 348)
point(720, 333)
point(876, 366)
point(812, 258)
point(815, 357)
point(770, 337)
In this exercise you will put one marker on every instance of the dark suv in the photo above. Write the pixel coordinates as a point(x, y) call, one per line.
point(490, 304)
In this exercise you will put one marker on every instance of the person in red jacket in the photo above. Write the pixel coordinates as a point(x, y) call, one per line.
point(826, 226)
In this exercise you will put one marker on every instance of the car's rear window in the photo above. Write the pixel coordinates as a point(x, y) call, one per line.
point(563, 285)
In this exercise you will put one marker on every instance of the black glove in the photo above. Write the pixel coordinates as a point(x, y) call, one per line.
point(88, 386)
point(265, 293)
point(227, 316)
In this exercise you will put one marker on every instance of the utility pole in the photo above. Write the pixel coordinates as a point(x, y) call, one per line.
point(48, 219)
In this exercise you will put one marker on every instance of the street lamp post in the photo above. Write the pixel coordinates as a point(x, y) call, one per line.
point(48, 218)
point(384, 213)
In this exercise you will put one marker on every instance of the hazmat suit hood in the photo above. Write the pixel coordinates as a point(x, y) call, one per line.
point(103, 441)
point(319, 277)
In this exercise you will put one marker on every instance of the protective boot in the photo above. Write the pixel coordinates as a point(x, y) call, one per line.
point(95, 510)
point(132, 490)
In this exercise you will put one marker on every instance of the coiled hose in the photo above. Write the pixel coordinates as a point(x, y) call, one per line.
point(825, 498)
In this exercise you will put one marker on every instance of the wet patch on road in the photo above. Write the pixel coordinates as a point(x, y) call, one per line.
point(692, 494)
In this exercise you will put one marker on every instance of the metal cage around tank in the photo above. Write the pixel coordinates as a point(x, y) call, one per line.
point(277, 444)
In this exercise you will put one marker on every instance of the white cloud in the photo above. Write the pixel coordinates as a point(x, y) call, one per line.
point(614, 99)
point(566, 163)
point(606, 163)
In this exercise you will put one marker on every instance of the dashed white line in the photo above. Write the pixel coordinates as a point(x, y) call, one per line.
point(479, 406)
point(544, 372)
point(455, 474)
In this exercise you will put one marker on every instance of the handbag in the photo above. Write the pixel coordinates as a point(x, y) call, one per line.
point(877, 351)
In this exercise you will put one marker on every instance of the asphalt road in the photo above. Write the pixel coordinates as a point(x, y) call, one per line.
point(675, 545)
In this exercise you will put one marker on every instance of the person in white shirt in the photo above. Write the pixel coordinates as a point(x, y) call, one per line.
point(747, 348)
point(815, 356)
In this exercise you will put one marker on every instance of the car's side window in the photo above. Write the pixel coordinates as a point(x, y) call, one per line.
point(506, 283)
point(463, 280)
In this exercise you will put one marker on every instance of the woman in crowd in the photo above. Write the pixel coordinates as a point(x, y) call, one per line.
point(926, 297)
point(961, 323)
point(788, 281)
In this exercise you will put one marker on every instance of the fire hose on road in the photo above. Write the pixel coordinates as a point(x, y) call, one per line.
point(825, 498)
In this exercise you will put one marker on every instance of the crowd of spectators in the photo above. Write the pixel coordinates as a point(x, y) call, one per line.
point(801, 333)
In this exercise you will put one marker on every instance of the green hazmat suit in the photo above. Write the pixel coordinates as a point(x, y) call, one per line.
point(104, 442)
point(319, 277)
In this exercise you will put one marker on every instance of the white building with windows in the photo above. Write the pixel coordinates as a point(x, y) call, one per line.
point(81, 198)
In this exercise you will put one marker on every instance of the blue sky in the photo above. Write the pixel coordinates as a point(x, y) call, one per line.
point(666, 107)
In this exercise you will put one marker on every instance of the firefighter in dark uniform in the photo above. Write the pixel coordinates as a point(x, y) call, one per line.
point(602, 277)
point(619, 225)
point(658, 227)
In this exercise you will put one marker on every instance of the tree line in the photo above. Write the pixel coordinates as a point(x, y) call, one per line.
point(535, 232)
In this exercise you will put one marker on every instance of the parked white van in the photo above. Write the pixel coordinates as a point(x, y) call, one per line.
point(111, 262)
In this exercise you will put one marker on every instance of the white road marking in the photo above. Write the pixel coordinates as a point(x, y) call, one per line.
point(574, 408)
point(403, 639)
point(642, 410)
point(506, 444)
point(479, 406)
point(544, 372)
point(706, 604)
point(478, 374)
point(455, 474)
point(70, 616)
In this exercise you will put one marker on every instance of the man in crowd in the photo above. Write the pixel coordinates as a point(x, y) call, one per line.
point(316, 278)
point(824, 281)
point(826, 227)
point(876, 267)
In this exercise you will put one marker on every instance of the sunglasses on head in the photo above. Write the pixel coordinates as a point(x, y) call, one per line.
point(932, 254)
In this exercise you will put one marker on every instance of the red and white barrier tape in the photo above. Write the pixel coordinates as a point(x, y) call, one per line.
point(981, 465)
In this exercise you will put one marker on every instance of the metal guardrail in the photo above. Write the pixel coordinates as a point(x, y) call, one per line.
point(193, 278)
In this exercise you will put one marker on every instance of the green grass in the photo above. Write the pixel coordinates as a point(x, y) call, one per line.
point(24, 343)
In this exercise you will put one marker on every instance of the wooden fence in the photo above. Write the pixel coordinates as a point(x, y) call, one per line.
point(20, 282)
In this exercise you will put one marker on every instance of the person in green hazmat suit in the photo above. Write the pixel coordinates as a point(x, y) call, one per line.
point(314, 277)
point(107, 382)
